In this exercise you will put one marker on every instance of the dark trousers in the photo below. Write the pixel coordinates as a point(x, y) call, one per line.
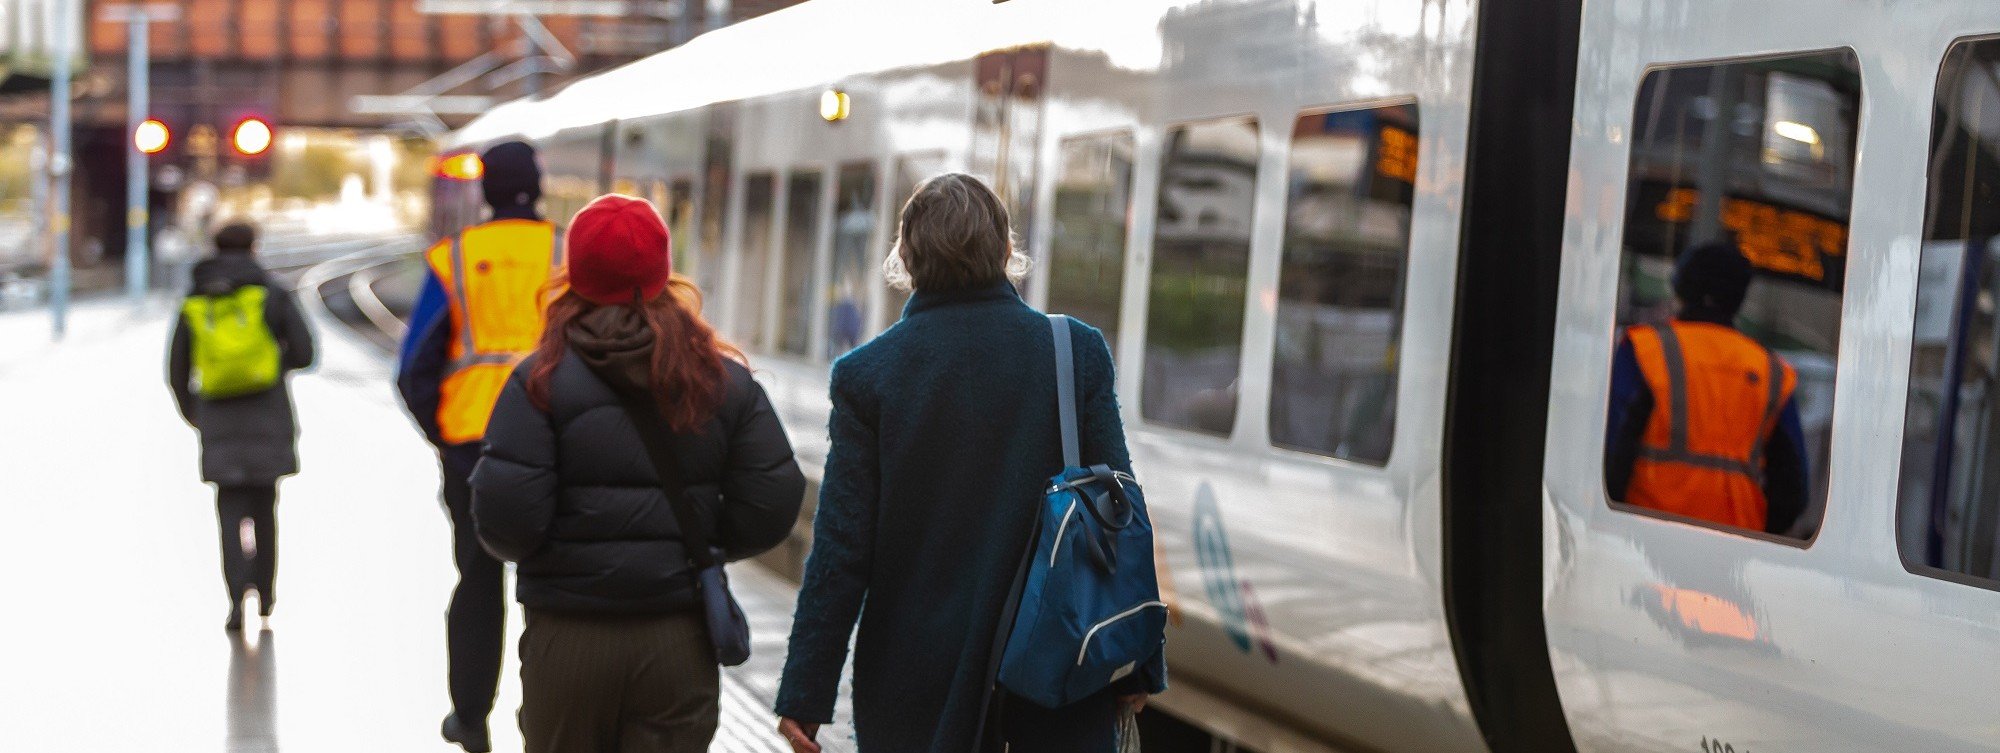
point(478, 614)
point(618, 684)
point(258, 568)
point(1087, 726)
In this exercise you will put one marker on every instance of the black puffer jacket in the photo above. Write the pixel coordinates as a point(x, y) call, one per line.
point(247, 440)
point(571, 494)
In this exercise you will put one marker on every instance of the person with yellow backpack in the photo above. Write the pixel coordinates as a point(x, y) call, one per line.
point(239, 334)
point(479, 313)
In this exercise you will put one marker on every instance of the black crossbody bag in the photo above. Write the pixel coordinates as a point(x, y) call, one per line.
point(727, 630)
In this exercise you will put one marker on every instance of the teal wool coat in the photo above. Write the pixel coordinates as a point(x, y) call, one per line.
point(944, 433)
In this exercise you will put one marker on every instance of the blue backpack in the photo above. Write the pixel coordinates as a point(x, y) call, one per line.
point(1089, 611)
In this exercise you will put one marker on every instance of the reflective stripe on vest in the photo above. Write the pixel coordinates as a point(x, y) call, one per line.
point(494, 276)
point(1717, 397)
point(468, 344)
point(1677, 451)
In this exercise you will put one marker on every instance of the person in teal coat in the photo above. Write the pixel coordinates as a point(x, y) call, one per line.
point(944, 431)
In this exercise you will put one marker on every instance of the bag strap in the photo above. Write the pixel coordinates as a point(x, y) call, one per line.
point(653, 433)
point(1066, 390)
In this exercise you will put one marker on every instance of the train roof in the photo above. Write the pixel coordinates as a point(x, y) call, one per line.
point(819, 43)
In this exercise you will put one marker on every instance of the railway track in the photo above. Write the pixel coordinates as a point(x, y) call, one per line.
point(342, 285)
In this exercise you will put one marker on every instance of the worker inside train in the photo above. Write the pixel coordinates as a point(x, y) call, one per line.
point(480, 312)
point(1702, 420)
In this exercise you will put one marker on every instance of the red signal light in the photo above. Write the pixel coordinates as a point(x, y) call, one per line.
point(251, 137)
point(151, 137)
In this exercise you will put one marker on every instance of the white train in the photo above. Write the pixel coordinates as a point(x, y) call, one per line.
point(1365, 263)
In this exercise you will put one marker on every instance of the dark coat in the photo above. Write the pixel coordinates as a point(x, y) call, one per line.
point(248, 440)
point(572, 496)
point(944, 433)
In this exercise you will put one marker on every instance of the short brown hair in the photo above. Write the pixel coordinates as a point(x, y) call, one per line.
point(954, 234)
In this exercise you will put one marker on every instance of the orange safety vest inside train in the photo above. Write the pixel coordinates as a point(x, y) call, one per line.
point(1717, 395)
point(493, 275)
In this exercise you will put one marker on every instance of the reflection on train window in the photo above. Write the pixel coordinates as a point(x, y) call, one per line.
point(1201, 261)
point(1092, 214)
point(796, 265)
point(689, 261)
point(911, 169)
point(753, 259)
point(1734, 260)
point(854, 257)
point(1949, 516)
point(1349, 182)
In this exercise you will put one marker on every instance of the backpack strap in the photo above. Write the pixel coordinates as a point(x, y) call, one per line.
point(1066, 390)
point(653, 433)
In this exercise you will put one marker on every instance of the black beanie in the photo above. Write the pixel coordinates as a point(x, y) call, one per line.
point(1711, 280)
point(235, 237)
point(511, 176)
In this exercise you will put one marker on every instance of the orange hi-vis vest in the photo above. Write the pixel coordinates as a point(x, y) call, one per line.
point(494, 275)
point(1717, 395)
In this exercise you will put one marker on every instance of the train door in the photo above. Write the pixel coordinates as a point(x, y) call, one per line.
point(1751, 222)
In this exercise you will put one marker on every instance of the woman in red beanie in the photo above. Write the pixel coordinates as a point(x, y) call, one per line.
point(616, 655)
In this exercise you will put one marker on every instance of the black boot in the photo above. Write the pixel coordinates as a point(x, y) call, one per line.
point(470, 737)
point(235, 622)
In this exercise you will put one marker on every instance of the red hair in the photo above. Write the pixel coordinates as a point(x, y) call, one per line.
point(687, 369)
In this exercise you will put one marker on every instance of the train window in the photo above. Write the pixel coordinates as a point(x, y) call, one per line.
point(690, 259)
point(1949, 517)
point(753, 259)
point(796, 265)
point(854, 257)
point(1201, 265)
point(1092, 216)
point(1734, 258)
point(1350, 181)
point(911, 169)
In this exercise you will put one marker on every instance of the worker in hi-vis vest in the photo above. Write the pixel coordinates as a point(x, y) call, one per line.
point(480, 312)
point(1702, 421)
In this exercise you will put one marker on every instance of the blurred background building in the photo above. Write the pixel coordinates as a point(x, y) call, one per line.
point(352, 91)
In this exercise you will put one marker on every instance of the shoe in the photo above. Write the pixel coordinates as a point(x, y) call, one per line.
point(472, 739)
point(235, 622)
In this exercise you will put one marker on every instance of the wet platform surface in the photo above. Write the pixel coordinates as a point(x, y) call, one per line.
point(112, 639)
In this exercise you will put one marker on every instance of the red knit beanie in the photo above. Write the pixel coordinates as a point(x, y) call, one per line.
point(616, 245)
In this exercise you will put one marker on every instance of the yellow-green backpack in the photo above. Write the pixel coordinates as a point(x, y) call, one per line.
point(234, 351)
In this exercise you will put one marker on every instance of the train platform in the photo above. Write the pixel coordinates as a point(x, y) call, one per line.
point(114, 639)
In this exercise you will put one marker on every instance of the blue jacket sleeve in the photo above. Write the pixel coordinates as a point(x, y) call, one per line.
point(837, 570)
point(1788, 477)
point(1631, 406)
point(423, 357)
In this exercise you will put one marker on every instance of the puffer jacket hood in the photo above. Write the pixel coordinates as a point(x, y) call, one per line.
point(225, 272)
point(616, 344)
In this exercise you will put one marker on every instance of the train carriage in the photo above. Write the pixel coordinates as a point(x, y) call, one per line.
point(1363, 265)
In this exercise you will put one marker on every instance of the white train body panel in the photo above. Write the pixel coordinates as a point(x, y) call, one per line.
point(1844, 649)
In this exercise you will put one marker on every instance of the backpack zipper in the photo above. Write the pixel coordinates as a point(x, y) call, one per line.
point(1085, 648)
point(1057, 549)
